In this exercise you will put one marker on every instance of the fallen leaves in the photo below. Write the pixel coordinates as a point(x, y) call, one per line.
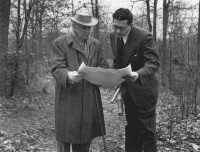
point(27, 124)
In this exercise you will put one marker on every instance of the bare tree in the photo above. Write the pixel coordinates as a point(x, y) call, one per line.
point(166, 4)
point(20, 35)
point(148, 12)
point(181, 56)
point(4, 27)
point(40, 21)
point(148, 16)
point(155, 20)
point(196, 97)
point(95, 13)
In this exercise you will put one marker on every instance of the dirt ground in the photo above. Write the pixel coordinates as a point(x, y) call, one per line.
point(27, 123)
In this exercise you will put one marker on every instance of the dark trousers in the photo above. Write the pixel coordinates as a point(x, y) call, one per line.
point(140, 131)
point(65, 147)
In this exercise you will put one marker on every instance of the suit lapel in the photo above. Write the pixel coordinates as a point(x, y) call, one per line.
point(129, 46)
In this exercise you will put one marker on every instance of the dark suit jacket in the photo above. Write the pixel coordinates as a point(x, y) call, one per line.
point(141, 52)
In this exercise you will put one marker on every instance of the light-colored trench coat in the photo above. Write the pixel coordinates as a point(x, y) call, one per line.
point(76, 116)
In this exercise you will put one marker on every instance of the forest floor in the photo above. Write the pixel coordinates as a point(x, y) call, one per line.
point(27, 124)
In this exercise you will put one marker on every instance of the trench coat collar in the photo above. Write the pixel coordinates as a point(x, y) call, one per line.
point(72, 42)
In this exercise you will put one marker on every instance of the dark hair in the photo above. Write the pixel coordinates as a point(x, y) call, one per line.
point(123, 14)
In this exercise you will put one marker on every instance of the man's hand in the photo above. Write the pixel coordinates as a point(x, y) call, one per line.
point(74, 76)
point(133, 76)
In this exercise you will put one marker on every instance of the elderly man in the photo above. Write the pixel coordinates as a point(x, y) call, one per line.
point(78, 106)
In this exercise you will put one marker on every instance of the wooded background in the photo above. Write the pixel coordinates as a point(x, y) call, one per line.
point(27, 28)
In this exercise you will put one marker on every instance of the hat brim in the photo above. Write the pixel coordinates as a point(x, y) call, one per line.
point(92, 23)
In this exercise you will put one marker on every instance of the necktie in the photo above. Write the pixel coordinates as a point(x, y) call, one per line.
point(120, 46)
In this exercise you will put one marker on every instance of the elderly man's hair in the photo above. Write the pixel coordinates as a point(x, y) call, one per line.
point(123, 14)
point(73, 23)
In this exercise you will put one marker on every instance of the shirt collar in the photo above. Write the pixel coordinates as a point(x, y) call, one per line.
point(125, 37)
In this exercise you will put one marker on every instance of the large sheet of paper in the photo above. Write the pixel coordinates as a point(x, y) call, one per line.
point(104, 77)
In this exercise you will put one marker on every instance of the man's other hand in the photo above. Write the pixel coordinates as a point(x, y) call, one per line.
point(75, 76)
point(133, 76)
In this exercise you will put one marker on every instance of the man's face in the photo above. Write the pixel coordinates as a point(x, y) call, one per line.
point(121, 27)
point(82, 31)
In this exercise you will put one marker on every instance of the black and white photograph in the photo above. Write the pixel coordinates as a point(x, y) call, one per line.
point(99, 75)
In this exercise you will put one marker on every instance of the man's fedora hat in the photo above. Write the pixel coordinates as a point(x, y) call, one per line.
point(84, 19)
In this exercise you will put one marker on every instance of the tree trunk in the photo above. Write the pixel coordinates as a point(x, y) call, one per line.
point(164, 44)
point(196, 97)
point(27, 69)
point(148, 16)
point(154, 20)
point(4, 27)
point(33, 32)
point(73, 12)
point(170, 62)
point(97, 16)
point(40, 20)
point(95, 13)
point(20, 39)
point(14, 79)
point(40, 26)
